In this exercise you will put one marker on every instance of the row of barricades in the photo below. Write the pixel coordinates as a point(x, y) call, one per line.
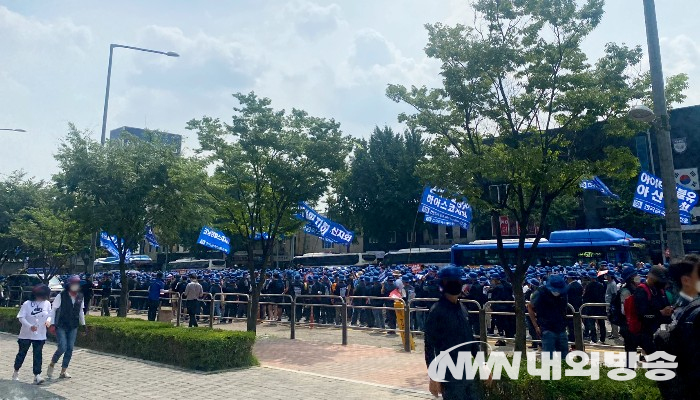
point(215, 305)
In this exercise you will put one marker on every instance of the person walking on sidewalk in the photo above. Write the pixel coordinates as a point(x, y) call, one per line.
point(35, 317)
point(193, 292)
point(66, 315)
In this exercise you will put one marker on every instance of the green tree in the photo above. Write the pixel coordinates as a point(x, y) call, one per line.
point(183, 207)
point(265, 162)
point(381, 191)
point(49, 235)
point(17, 192)
point(119, 188)
point(514, 122)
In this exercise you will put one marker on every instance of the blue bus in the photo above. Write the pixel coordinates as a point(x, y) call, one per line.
point(563, 248)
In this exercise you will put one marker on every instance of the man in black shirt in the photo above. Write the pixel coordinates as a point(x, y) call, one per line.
point(106, 287)
point(547, 310)
point(575, 296)
point(447, 326)
point(595, 293)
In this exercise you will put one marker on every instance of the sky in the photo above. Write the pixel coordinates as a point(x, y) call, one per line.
point(332, 59)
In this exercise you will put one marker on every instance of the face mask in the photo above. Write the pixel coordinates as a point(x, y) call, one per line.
point(452, 287)
point(556, 294)
point(74, 287)
point(637, 279)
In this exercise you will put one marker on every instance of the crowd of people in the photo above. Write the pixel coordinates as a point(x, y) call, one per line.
point(638, 302)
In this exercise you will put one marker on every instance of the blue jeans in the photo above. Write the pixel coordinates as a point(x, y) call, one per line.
point(66, 341)
point(555, 341)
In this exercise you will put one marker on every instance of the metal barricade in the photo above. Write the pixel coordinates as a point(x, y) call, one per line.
point(240, 298)
point(343, 306)
point(406, 313)
point(584, 316)
point(141, 297)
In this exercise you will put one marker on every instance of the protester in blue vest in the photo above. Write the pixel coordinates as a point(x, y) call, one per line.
point(155, 289)
point(66, 315)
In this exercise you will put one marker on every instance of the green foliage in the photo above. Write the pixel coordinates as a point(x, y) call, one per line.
point(17, 193)
point(521, 107)
point(50, 236)
point(381, 190)
point(571, 388)
point(265, 162)
point(123, 186)
point(198, 348)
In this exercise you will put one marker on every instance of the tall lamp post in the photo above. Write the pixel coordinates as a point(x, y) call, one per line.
point(103, 137)
point(662, 131)
point(109, 77)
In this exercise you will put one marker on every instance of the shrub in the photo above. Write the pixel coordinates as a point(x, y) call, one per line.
point(571, 388)
point(194, 348)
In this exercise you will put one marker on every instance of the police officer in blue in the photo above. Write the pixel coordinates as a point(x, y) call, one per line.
point(447, 326)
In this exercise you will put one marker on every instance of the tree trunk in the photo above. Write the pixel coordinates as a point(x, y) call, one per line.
point(124, 298)
point(252, 322)
point(520, 312)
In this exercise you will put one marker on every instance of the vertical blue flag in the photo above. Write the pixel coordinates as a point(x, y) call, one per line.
point(151, 237)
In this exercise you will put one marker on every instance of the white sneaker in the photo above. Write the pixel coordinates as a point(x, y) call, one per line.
point(64, 375)
point(15, 376)
point(38, 380)
point(49, 372)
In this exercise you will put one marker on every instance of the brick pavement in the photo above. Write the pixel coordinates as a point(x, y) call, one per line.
point(98, 375)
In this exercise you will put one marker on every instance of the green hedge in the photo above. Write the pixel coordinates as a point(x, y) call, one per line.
point(570, 388)
point(192, 348)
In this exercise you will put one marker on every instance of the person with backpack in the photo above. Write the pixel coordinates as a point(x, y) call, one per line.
point(616, 312)
point(648, 308)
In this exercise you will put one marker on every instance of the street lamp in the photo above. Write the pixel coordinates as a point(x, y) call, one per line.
point(662, 131)
point(12, 130)
point(104, 115)
point(109, 76)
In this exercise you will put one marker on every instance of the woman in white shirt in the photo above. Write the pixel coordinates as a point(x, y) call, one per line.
point(35, 317)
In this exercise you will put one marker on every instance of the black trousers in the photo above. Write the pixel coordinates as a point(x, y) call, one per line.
point(153, 309)
point(193, 310)
point(37, 346)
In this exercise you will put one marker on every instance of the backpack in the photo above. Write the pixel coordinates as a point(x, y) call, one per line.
point(615, 315)
point(634, 323)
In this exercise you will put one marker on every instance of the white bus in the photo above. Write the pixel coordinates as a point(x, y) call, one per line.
point(418, 256)
point(335, 260)
point(191, 263)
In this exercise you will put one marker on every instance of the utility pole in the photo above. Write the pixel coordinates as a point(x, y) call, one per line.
point(662, 131)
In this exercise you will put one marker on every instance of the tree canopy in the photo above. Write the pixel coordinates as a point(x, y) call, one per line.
point(523, 114)
point(264, 163)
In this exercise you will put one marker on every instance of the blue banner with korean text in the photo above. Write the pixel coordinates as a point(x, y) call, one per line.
point(438, 220)
point(151, 237)
point(214, 240)
point(443, 209)
point(597, 185)
point(649, 197)
point(332, 231)
point(109, 243)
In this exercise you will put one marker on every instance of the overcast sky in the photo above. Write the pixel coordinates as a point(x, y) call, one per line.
point(333, 59)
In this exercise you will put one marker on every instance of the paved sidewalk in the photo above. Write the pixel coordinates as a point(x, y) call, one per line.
point(102, 376)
